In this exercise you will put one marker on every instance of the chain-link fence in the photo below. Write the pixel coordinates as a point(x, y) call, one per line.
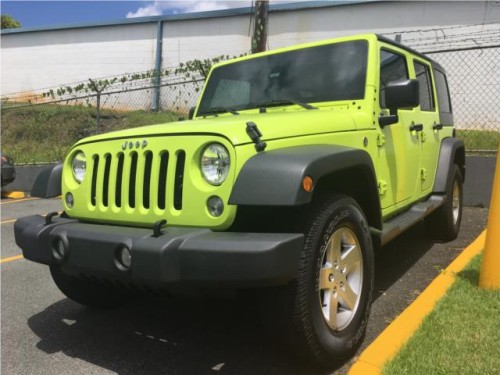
point(55, 118)
point(474, 80)
point(42, 126)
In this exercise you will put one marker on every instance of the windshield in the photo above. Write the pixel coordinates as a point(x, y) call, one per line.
point(311, 75)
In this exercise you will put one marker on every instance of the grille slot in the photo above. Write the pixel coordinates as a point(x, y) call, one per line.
point(131, 187)
point(119, 178)
point(179, 180)
point(93, 189)
point(162, 182)
point(105, 185)
point(147, 179)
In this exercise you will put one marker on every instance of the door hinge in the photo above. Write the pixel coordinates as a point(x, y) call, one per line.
point(382, 187)
point(423, 174)
point(380, 139)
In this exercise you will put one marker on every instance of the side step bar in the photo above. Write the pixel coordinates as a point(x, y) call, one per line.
point(400, 223)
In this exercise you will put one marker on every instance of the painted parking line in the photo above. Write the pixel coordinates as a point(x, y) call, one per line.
point(391, 340)
point(11, 259)
point(19, 200)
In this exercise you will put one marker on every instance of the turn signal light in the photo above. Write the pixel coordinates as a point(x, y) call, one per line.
point(307, 184)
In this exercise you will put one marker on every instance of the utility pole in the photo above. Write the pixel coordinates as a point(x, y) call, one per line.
point(259, 37)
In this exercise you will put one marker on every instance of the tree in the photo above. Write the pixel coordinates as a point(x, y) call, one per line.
point(8, 22)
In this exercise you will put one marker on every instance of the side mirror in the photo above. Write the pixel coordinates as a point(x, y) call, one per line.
point(402, 94)
point(191, 112)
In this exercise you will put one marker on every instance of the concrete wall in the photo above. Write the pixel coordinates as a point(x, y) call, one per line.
point(479, 180)
point(38, 59)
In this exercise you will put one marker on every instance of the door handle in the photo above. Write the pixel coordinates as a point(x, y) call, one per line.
point(416, 127)
point(437, 126)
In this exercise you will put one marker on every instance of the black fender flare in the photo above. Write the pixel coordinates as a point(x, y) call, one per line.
point(452, 151)
point(48, 182)
point(274, 178)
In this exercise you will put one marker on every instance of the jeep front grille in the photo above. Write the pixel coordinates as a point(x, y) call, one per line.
point(140, 180)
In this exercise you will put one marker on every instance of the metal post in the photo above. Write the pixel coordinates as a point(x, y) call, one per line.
point(98, 114)
point(155, 106)
point(259, 37)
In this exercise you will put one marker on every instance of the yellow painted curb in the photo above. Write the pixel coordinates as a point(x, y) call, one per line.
point(390, 341)
point(14, 194)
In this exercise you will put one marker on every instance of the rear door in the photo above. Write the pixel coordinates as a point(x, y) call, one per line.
point(427, 115)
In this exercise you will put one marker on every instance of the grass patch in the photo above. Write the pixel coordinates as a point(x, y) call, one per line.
point(44, 133)
point(460, 336)
point(479, 139)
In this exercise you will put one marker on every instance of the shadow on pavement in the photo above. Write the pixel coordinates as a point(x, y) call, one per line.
point(153, 336)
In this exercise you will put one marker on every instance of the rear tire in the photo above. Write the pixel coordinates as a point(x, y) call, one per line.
point(444, 224)
point(322, 313)
point(86, 292)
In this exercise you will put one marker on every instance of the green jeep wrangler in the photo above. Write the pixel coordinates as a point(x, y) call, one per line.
point(295, 164)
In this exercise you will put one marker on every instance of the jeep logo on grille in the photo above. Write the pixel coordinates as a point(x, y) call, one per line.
point(131, 144)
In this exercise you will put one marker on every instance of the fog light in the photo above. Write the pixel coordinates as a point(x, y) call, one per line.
point(70, 200)
point(123, 258)
point(59, 249)
point(215, 206)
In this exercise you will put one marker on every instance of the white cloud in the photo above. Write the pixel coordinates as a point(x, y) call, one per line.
point(158, 7)
point(148, 10)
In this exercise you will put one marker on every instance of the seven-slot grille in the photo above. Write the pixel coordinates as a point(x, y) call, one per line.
point(137, 179)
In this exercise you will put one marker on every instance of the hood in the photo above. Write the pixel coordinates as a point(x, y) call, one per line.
point(273, 125)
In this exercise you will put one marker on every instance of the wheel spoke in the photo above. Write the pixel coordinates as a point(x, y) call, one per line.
point(333, 308)
point(350, 258)
point(334, 247)
point(324, 278)
point(348, 296)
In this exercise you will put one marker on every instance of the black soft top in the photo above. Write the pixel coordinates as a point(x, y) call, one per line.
point(434, 64)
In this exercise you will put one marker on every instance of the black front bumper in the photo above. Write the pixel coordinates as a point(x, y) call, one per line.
point(179, 256)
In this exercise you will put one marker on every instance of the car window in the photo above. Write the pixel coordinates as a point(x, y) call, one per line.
point(330, 72)
point(442, 92)
point(392, 68)
point(423, 75)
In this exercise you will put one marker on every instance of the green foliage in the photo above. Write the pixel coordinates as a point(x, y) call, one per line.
point(45, 133)
point(187, 71)
point(461, 335)
point(9, 22)
point(479, 139)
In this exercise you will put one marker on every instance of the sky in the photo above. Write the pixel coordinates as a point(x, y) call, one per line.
point(42, 13)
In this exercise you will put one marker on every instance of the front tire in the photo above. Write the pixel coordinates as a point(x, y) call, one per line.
point(324, 310)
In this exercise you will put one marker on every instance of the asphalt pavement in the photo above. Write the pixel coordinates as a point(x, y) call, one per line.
point(43, 332)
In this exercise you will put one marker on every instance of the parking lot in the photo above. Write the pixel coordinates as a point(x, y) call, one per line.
point(45, 333)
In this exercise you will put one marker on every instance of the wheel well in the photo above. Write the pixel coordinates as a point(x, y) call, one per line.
point(353, 182)
point(459, 160)
point(357, 184)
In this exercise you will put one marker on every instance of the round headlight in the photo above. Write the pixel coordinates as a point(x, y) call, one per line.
point(79, 166)
point(215, 163)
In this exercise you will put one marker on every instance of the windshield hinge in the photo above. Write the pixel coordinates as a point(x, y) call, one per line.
point(255, 134)
point(382, 187)
point(380, 139)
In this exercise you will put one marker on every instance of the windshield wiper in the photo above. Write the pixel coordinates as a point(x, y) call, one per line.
point(216, 110)
point(275, 103)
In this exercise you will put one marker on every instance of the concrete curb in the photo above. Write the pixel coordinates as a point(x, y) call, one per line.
point(14, 194)
point(392, 339)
